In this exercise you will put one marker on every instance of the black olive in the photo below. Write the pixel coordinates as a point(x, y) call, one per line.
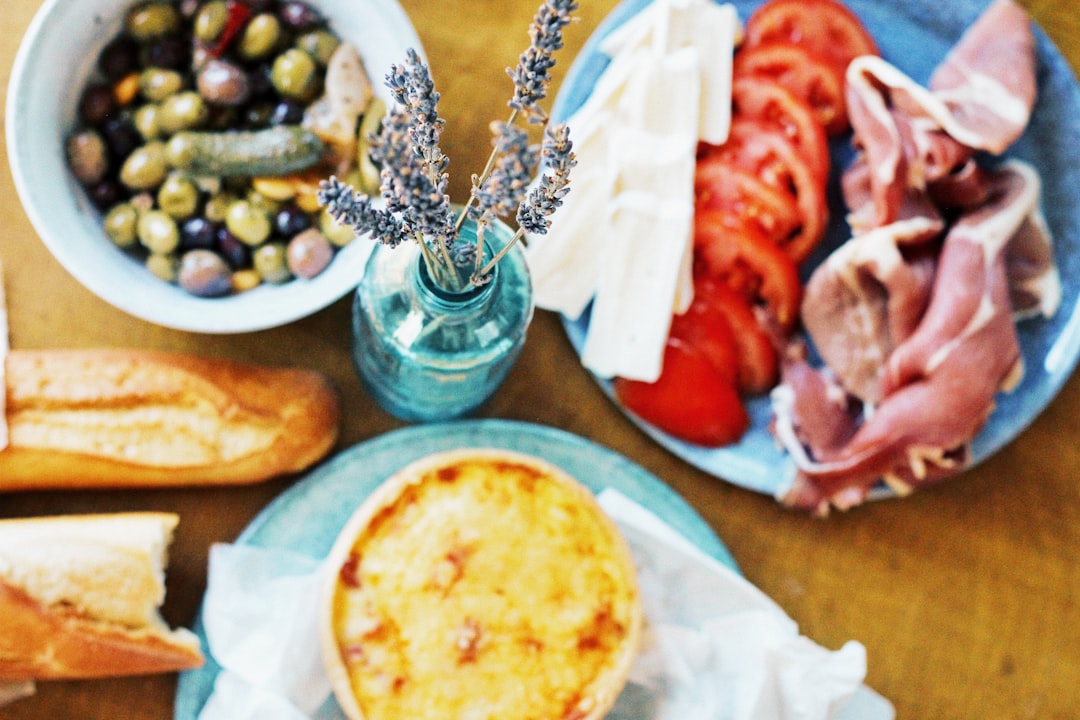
point(291, 220)
point(235, 252)
point(287, 112)
point(299, 16)
point(121, 136)
point(107, 193)
point(259, 82)
point(96, 104)
point(119, 58)
point(198, 233)
point(172, 52)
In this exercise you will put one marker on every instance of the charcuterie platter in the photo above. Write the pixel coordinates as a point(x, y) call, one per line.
point(915, 37)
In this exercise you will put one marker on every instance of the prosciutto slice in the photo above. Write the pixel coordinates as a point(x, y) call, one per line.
point(914, 317)
point(909, 137)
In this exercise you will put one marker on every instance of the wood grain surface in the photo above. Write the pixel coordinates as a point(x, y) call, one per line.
point(966, 595)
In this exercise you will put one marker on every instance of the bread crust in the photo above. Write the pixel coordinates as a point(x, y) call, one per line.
point(42, 643)
point(596, 696)
point(123, 418)
point(60, 616)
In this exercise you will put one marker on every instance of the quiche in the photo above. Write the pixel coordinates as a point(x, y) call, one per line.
point(479, 584)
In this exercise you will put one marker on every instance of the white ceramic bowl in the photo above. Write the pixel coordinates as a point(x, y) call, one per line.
point(53, 63)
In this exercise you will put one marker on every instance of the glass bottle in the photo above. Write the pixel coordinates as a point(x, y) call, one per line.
point(425, 353)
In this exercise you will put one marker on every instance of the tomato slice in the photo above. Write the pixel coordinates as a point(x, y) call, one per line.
point(705, 327)
point(729, 248)
point(759, 148)
point(758, 367)
point(763, 98)
point(826, 27)
point(720, 185)
point(809, 76)
point(690, 399)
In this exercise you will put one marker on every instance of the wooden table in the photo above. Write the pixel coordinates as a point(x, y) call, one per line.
point(966, 595)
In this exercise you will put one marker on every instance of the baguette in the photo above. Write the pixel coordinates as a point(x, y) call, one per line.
point(79, 598)
point(124, 418)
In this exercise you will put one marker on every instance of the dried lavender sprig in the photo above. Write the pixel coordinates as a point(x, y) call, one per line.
point(414, 90)
point(410, 187)
point(349, 207)
point(506, 183)
point(533, 73)
point(546, 196)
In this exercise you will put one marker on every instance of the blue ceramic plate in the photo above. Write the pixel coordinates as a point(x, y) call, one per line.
point(308, 517)
point(914, 35)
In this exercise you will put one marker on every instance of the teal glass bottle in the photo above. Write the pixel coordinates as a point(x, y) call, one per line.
point(427, 354)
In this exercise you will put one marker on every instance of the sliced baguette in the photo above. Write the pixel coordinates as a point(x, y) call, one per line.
point(80, 598)
point(114, 418)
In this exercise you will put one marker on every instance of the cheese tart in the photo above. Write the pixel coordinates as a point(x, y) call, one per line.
point(479, 584)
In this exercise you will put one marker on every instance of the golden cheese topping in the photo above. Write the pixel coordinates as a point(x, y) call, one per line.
point(489, 585)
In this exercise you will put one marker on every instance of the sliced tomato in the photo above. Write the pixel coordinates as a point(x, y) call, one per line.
point(690, 400)
point(705, 327)
point(762, 149)
point(758, 363)
point(826, 27)
point(809, 76)
point(720, 185)
point(729, 248)
point(764, 98)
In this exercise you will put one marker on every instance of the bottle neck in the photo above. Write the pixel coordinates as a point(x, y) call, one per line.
point(439, 298)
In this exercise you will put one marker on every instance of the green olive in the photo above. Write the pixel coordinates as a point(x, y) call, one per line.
point(319, 44)
point(270, 262)
point(120, 222)
point(210, 21)
point(178, 196)
point(152, 20)
point(261, 202)
point(217, 207)
point(158, 232)
point(156, 84)
point(146, 121)
point(260, 37)
point(248, 223)
point(179, 150)
point(338, 235)
point(164, 267)
point(293, 74)
point(144, 168)
point(182, 111)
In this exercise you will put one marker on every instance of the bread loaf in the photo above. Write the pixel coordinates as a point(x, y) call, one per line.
point(479, 583)
point(113, 418)
point(79, 598)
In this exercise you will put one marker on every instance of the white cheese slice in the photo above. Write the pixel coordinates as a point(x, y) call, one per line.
point(667, 26)
point(630, 318)
point(565, 262)
point(643, 273)
point(624, 236)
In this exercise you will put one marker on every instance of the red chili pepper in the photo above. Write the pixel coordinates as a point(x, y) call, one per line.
point(239, 14)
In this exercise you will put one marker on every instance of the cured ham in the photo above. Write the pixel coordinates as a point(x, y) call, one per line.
point(910, 137)
point(914, 317)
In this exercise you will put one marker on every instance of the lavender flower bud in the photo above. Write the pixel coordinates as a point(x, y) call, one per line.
point(533, 73)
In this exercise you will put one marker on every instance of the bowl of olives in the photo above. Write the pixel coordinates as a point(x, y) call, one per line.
point(168, 152)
